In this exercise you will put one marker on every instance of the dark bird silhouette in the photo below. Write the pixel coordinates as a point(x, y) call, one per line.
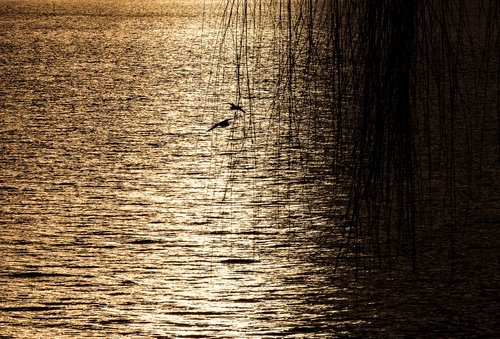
point(223, 123)
point(236, 107)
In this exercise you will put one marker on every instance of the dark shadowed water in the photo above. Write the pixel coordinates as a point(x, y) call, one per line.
point(120, 214)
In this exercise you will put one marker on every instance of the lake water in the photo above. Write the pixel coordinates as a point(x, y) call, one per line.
point(120, 214)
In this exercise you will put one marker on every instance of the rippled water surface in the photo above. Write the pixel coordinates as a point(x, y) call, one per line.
point(120, 214)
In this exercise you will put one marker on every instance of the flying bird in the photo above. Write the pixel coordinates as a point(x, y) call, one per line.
point(223, 123)
point(236, 107)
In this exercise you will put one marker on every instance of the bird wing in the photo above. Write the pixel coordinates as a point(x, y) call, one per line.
point(216, 125)
point(236, 107)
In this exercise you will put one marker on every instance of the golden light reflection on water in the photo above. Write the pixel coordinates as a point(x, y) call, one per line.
point(121, 215)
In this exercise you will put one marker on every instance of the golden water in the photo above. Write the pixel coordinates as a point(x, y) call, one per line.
point(120, 215)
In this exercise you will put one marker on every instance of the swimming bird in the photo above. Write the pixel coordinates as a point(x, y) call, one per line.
point(223, 123)
point(236, 107)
